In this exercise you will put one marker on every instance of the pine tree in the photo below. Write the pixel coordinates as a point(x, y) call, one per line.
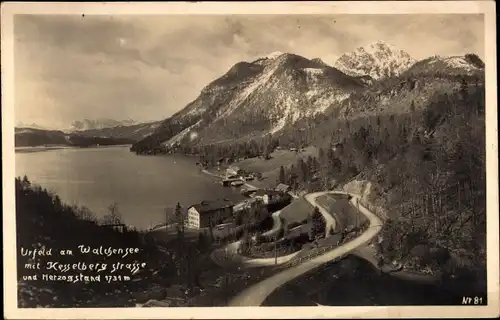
point(464, 90)
point(282, 177)
point(317, 223)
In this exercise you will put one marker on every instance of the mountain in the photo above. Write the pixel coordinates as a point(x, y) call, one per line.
point(89, 124)
point(134, 132)
point(377, 60)
point(404, 93)
point(467, 65)
point(254, 99)
point(257, 98)
point(320, 61)
point(33, 125)
point(30, 137)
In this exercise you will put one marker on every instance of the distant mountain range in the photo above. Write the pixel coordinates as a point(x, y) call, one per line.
point(32, 125)
point(253, 99)
point(124, 132)
point(92, 124)
point(133, 132)
point(30, 137)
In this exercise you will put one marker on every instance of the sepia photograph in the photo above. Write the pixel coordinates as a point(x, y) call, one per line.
point(182, 158)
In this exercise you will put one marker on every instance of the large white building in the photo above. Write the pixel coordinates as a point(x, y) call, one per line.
point(207, 213)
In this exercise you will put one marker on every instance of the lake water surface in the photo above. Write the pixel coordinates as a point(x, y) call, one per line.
point(142, 186)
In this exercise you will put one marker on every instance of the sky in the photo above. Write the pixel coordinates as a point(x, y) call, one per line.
point(145, 68)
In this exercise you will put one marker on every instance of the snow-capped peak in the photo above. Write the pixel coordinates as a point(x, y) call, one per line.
point(378, 60)
point(382, 44)
point(274, 55)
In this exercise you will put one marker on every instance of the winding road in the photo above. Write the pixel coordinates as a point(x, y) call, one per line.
point(330, 221)
point(228, 255)
point(257, 294)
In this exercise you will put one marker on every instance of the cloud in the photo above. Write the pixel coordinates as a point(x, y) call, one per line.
point(70, 68)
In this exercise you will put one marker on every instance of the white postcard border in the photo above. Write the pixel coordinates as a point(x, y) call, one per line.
point(354, 7)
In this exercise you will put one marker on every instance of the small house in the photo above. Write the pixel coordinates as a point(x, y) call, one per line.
point(237, 183)
point(234, 170)
point(283, 188)
point(268, 196)
point(261, 194)
point(249, 177)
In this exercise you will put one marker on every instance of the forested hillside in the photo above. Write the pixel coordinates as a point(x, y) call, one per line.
point(428, 171)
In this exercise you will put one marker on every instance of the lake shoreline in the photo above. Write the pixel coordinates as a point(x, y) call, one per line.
point(61, 147)
point(144, 188)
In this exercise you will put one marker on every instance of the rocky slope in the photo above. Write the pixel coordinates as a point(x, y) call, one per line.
point(378, 60)
point(413, 88)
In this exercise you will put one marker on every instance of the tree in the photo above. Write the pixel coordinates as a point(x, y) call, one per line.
point(246, 243)
point(84, 213)
point(114, 216)
point(179, 219)
point(238, 220)
point(286, 230)
point(464, 91)
point(258, 237)
point(25, 184)
point(317, 223)
point(203, 242)
point(211, 229)
point(282, 175)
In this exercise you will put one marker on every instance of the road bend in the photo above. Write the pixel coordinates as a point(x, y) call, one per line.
point(257, 294)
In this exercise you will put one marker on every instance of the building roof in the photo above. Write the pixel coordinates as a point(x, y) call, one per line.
point(263, 192)
point(260, 192)
point(208, 206)
point(282, 187)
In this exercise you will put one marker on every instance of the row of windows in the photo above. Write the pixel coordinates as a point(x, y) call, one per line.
point(193, 220)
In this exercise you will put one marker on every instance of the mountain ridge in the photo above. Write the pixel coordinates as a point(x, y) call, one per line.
point(254, 99)
point(257, 98)
point(32, 137)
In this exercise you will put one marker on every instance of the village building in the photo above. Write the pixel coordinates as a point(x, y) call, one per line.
point(203, 214)
point(261, 194)
point(283, 188)
point(233, 170)
point(268, 196)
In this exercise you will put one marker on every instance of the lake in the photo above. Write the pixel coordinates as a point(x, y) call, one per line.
point(142, 186)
